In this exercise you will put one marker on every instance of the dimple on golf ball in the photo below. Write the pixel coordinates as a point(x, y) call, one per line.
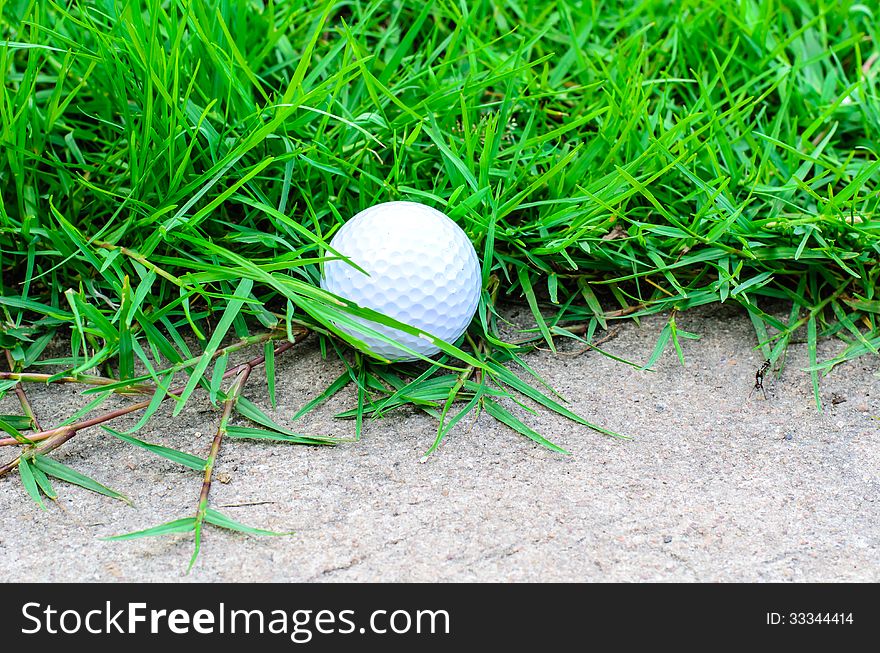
point(423, 272)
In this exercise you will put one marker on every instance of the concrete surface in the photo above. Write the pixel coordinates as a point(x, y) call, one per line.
point(715, 485)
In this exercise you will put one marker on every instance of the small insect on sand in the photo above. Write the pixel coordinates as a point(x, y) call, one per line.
point(759, 378)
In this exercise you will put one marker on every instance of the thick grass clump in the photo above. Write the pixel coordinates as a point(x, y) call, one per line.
point(171, 172)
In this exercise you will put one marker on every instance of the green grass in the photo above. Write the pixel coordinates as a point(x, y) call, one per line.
point(171, 173)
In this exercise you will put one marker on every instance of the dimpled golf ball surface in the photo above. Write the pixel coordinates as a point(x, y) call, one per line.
point(423, 271)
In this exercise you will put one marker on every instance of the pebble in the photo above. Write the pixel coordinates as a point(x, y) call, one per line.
point(667, 539)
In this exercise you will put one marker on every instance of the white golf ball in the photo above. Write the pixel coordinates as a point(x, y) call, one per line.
point(423, 271)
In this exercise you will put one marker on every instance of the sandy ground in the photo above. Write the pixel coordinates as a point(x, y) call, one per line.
point(714, 486)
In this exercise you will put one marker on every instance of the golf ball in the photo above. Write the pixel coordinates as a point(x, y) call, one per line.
point(423, 271)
